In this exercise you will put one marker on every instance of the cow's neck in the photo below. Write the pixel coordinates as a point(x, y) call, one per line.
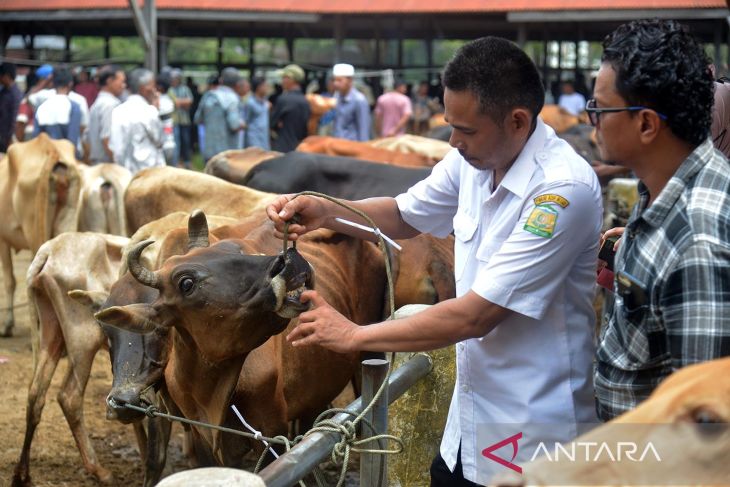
point(201, 389)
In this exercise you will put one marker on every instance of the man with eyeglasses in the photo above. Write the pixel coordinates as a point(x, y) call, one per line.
point(652, 111)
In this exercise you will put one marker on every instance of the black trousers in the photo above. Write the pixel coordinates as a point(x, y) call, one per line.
point(441, 476)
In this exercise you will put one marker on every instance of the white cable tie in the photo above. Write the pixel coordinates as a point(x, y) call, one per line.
point(375, 231)
point(256, 434)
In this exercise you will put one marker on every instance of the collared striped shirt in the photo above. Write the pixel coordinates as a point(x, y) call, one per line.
point(672, 286)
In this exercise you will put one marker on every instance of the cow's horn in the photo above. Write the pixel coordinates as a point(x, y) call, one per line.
point(197, 230)
point(140, 272)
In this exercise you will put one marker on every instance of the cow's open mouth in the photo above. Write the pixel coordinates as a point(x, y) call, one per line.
point(295, 288)
point(292, 276)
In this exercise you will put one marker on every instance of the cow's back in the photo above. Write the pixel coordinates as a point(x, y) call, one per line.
point(234, 165)
point(341, 177)
point(44, 186)
point(334, 146)
point(155, 193)
point(102, 208)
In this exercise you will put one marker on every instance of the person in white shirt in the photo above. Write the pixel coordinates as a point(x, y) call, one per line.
point(526, 213)
point(59, 116)
point(113, 82)
point(136, 136)
point(39, 97)
point(571, 100)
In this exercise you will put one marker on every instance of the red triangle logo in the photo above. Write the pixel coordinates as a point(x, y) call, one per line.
point(487, 452)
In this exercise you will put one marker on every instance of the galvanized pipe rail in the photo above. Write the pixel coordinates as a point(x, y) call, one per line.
point(315, 448)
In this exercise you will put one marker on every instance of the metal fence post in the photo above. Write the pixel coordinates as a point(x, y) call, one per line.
point(291, 467)
point(373, 467)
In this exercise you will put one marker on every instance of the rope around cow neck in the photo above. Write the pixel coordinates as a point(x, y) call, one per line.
point(347, 429)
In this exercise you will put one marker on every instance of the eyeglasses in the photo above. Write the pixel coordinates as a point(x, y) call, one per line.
point(595, 112)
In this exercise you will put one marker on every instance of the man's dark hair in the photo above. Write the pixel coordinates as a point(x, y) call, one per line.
point(62, 77)
point(499, 73)
point(256, 82)
point(163, 81)
point(660, 65)
point(9, 69)
point(108, 72)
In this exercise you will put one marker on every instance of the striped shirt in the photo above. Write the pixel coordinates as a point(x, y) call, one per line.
point(672, 286)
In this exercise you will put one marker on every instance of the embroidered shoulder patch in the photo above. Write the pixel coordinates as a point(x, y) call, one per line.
point(551, 198)
point(542, 221)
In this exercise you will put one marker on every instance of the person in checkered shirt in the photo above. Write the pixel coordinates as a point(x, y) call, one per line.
point(652, 109)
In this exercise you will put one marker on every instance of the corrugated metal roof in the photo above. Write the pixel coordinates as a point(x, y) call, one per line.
point(369, 6)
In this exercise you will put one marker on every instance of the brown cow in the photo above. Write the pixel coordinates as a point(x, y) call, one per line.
point(686, 421)
point(318, 106)
point(227, 299)
point(234, 165)
point(157, 192)
point(45, 192)
point(64, 327)
point(560, 119)
point(423, 272)
point(60, 326)
point(333, 146)
point(431, 148)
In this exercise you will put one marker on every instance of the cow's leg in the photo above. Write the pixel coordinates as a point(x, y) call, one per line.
point(188, 447)
point(141, 435)
point(71, 399)
point(158, 437)
point(6, 313)
point(48, 357)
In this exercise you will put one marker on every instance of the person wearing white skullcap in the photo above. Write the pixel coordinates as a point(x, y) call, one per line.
point(352, 113)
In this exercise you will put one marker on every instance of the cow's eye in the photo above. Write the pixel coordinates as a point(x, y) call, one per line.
point(705, 416)
point(186, 285)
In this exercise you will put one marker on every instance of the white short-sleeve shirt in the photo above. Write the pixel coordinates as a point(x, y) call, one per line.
point(530, 246)
point(136, 135)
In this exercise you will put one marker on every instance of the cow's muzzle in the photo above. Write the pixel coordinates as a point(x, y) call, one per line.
point(117, 410)
point(291, 275)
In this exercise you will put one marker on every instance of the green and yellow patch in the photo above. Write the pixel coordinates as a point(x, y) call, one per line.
point(542, 221)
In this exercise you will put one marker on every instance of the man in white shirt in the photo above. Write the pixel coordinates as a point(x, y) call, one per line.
point(39, 97)
point(59, 115)
point(571, 100)
point(136, 135)
point(113, 82)
point(526, 213)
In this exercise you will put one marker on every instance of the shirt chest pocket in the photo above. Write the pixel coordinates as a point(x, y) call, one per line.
point(465, 227)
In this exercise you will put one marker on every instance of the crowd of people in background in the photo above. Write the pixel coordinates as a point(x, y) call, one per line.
point(169, 119)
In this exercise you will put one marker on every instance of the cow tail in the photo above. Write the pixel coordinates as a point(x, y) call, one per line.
point(117, 209)
point(58, 201)
point(34, 270)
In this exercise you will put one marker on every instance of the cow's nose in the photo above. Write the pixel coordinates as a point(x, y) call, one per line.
point(116, 407)
point(112, 408)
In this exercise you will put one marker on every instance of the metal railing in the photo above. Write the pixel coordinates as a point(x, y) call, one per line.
point(293, 466)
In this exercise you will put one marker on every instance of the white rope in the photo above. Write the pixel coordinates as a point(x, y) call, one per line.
point(257, 434)
point(375, 230)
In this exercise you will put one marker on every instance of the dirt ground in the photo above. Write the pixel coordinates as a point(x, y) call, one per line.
point(55, 460)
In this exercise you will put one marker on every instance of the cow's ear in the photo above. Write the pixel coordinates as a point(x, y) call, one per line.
point(137, 318)
point(91, 299)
